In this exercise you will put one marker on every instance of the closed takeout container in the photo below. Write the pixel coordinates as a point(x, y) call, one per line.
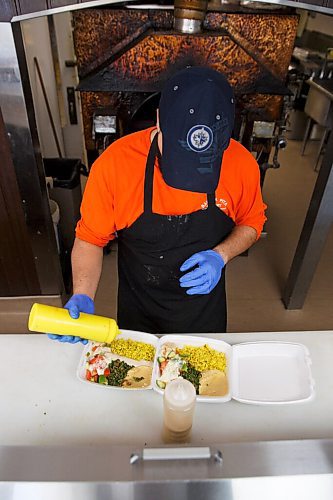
point(262, 373)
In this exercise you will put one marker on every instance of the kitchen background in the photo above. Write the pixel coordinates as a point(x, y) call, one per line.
point(72, 133)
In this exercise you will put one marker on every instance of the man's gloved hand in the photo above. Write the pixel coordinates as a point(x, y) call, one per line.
point(205, 276)
point(77, 303)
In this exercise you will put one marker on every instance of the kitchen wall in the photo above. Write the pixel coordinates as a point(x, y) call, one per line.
point(38, 45)
point(320, 23)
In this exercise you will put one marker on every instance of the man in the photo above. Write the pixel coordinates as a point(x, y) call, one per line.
point(183, 199)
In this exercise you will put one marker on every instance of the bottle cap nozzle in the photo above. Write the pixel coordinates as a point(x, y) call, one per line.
point(180, 392)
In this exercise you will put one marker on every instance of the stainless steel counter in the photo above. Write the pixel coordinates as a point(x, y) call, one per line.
point(44, 403)
point(79, 437)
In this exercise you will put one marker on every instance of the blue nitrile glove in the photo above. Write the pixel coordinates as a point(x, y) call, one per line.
point(205, 276)
point(76, 304)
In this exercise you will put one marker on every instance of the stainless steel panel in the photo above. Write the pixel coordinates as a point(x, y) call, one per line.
point(286, 488)
point(292, 470)
point(316, 7)
point(325, 9)
point(17, 109)
point(68, 8)
point(325, 86)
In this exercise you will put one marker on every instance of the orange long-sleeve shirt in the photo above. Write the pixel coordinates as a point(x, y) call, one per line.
point(113, 197)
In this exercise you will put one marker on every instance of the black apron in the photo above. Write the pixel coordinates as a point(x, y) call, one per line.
point(150, 253)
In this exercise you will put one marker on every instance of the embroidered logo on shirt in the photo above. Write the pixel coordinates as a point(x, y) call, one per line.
point(221, 203)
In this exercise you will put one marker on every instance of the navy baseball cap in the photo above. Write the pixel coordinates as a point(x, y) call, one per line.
point(196, 116)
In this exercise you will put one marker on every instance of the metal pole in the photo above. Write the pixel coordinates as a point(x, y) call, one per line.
point(313, 236)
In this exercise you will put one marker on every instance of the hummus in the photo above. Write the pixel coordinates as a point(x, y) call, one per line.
point(213, 383)
point(139, 376)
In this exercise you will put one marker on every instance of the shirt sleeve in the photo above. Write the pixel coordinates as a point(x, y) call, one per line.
point(97, 223)
point(251, 208)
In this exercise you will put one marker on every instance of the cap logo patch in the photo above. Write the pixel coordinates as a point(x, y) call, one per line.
point(199, 138)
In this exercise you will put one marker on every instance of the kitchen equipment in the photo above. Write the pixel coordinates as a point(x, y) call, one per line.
point(318, 103)
point(319, 108)
point(50, 319)
point(189, 15)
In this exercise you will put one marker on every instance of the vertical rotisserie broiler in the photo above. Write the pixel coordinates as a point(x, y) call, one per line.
point(125, 55)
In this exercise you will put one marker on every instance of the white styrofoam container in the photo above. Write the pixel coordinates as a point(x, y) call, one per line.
point(271, 373)
point(180, 341)
point(260, 373)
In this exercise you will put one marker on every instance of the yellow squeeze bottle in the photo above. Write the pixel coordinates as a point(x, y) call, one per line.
point(50, 319)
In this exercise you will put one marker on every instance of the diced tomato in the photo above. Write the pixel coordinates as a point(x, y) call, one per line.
point(93, 372)
point(88, 375)
point(94, 348)
point(107, 371)
point(95, 358)
point(163, 365)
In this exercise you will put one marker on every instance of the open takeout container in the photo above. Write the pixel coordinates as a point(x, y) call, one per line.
point(147, 338)
point(262, 373)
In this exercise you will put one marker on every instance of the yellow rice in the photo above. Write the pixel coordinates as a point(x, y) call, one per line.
point(204, 358)
point(133, 349)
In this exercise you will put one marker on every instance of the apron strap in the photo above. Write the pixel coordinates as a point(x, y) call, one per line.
point(149, 179)
point(149, 176)
point(211, 200)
